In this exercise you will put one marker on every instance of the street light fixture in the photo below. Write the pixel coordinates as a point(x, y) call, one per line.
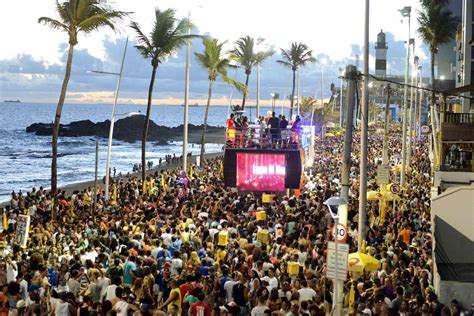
point(337, 202)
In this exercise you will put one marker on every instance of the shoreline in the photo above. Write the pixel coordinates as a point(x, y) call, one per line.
point(81, 185)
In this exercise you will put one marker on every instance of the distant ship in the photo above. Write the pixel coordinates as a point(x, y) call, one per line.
point(195, 105)
point(12, 101)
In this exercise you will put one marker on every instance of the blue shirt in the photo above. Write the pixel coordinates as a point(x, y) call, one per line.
point(127, 272)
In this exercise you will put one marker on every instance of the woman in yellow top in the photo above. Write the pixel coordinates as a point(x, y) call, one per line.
point(174, 298)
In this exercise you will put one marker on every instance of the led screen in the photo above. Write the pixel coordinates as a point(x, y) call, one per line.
point(261, 172)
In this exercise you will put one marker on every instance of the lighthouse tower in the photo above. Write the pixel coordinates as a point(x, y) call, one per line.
point(381, 55)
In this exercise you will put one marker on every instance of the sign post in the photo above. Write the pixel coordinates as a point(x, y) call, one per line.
point(383, 175)
point(337, 264)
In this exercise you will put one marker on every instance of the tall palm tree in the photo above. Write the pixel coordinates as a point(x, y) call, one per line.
point(216, 65)
point(75, 17)
point(298, 55)
point(437, 26)
point(167, 36)
point(245, 55)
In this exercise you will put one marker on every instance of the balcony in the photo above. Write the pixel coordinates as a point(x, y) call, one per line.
point(457, 127)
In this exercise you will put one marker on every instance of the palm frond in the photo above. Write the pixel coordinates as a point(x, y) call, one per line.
point(238, 85)
point(52, 23)
point(140, 36)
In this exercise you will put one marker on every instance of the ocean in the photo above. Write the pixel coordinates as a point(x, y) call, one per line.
point(25, 159)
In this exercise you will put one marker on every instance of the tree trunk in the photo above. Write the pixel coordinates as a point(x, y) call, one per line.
point(204, 128)
point(147, 122)
point(57, 120)
point(246, 86)
point(434, 129)
point(292, 94)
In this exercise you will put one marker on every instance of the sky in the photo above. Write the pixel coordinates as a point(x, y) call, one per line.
point(32, 57)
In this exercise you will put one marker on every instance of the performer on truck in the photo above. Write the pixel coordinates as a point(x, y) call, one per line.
point(230, 125)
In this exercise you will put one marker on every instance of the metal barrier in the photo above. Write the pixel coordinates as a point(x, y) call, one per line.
point(459, 118)
point(255, 136)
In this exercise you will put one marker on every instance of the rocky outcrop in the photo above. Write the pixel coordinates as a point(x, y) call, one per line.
point(128, 129)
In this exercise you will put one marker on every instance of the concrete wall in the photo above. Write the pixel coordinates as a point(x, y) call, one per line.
point(455, 206)
point(463, 292)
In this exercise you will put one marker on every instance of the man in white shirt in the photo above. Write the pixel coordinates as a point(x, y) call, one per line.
point(306, 293)
point(228, 287)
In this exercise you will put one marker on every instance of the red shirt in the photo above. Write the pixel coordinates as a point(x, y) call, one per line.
point(230, 123)
point(200, 309)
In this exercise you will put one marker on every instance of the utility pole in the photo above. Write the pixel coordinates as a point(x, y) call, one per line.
point(363, 135)
point(385, 134)
point(186, 99)
point(94, 210)
point(406, 12)
point(413, 100)
point(350, 76)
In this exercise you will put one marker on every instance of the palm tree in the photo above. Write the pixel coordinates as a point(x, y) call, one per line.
point(437, 26)
point(216, 65)
point(75, 17)
point(298, 55)
point(245, 55)
point(167, 36)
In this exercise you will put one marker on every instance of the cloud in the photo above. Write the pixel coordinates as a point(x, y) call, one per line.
point(33, 79)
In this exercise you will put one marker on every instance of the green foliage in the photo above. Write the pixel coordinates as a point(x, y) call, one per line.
point(298, 55)
point(82, 16)
point(216, 63)
point(167, 36)
point(437, 24)
point(322, 114)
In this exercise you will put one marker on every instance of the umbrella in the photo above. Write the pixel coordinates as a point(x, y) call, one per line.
point(359, 262)
point(329, 135)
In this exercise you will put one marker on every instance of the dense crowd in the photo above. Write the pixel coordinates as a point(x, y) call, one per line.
point(186, 245)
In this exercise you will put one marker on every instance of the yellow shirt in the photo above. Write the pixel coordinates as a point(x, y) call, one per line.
point(177, 301)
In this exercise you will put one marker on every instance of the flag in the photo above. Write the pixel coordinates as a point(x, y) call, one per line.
point(162, 184)
point(190, 172)
point(151, 184)
point(351, 300)
point(144, 188)
point(5, 222)
point(114, 198)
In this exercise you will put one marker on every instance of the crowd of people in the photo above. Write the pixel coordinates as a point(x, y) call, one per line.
point(184, 244)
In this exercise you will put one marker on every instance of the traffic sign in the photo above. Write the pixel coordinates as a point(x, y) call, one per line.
point(425, 129)
point(342, 256)
point(341, 232)
point(395, 188)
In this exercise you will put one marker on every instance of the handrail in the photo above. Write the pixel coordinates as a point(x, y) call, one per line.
point(459, 118)
point(263, 137)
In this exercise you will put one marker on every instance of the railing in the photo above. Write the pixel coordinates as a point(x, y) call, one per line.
point(256, 136)
point(459, 118)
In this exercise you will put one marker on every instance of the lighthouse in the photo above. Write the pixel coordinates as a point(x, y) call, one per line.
point(381, 55)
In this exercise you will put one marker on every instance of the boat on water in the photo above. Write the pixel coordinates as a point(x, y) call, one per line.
point(12, 101)
point(195, 105)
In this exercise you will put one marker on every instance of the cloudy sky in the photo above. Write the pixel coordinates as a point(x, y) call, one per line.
point(32, 57)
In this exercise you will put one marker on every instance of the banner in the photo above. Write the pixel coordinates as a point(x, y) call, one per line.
point(22, 230)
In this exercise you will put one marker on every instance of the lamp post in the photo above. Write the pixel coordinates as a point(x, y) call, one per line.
point(298, 92)
point(363, 135)
point(339, 217)
point(186, 96)
point(322, 63)
point(260, 40)
point(342, 72)
point(406, 12)
point(117, 89)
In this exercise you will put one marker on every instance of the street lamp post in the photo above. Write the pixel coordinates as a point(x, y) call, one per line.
point(186, 99)
point(406, 12)
point(322, 63)
point(340, 97)
point(363, 135)
point(111, 130)
point(339, 217)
